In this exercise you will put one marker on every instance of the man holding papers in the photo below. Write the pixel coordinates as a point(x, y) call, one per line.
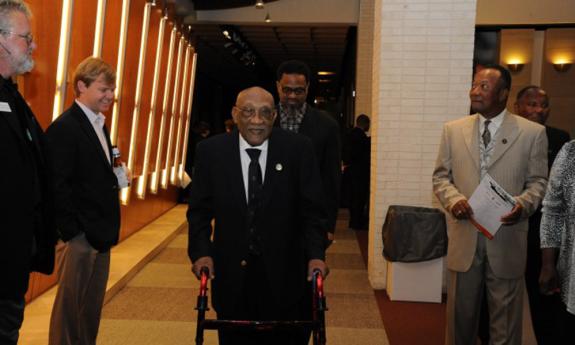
point(498, 145)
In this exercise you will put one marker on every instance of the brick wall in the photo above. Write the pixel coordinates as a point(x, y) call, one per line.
point(422, 66)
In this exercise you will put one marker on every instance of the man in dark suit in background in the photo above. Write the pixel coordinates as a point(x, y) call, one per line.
point(295, 115)
point(533, 103)
point(261, 187)
point(357, 167)
point(87, 204)
point(26, 226)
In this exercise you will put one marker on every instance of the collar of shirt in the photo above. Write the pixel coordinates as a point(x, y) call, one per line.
point(5, 82)
point(245, 160)
point(494, 125)
point(263, 154)
point(9, 84)
point(95, 119)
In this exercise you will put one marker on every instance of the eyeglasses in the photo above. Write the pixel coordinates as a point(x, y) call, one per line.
point(28, 37)
point(265, 112)
point(298, 91)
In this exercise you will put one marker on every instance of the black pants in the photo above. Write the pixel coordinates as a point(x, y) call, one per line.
point(566, 327)
point(545, 310)
point(11, 317)
point(359, 195)
point(254, 304)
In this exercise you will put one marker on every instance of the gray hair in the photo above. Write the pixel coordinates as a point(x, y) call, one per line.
point(9, 6)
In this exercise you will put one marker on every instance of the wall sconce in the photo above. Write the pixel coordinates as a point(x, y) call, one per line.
point(268, 19)
point(515, 67)
point(562, 66)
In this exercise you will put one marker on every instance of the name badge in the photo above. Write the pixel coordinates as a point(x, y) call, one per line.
point(5, 107)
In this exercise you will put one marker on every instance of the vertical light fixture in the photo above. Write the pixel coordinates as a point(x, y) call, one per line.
point(143, 180)
point(174, 170)
point(165, 172)
point(189, 113)
point(125, 194)
point(63, 54)
point(120, 70)
point(99, 31)
point(155, 180)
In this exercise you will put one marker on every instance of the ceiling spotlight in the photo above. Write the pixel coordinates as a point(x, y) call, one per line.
point(267, 19)
point(259, 4)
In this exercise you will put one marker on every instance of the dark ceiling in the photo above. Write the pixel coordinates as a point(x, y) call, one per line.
point(250, 53)
point(201, 5)
point(258, 47)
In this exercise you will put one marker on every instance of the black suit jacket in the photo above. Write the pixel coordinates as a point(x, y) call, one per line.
point(359, 154)
point(290, 220)
point(556, 139)
point(25, 214)
point(323, 131)
point(85, 186)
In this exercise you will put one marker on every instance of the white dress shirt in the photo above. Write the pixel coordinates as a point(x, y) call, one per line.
point(245, 159)
point(486, 152)
point(493, 126)
point(97, 121)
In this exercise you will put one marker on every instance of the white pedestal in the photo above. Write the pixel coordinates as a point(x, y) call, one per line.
point(417, 281)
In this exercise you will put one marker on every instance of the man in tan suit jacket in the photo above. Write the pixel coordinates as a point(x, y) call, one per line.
point(513, 151)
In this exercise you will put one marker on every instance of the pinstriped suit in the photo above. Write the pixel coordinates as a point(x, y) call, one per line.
point(518, 164)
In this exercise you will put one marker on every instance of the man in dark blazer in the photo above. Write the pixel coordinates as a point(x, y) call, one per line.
point(357, 168)
point(295, 115)
point(533, 103)
point(87, 206)
point(269, 236)
point(26, 225)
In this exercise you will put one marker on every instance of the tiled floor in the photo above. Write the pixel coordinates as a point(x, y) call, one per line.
point(127, 259)
point(157, 305)
point(164, 293)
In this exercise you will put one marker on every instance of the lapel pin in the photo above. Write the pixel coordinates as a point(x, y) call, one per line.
point(279, 167)
point(504, 141)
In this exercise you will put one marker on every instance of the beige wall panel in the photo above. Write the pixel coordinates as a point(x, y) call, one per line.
point(490, 12)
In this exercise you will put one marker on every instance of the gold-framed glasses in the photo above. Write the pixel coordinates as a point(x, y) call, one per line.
point(29, 38)
point(265, 113)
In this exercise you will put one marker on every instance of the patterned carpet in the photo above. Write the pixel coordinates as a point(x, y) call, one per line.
point(157, 306)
